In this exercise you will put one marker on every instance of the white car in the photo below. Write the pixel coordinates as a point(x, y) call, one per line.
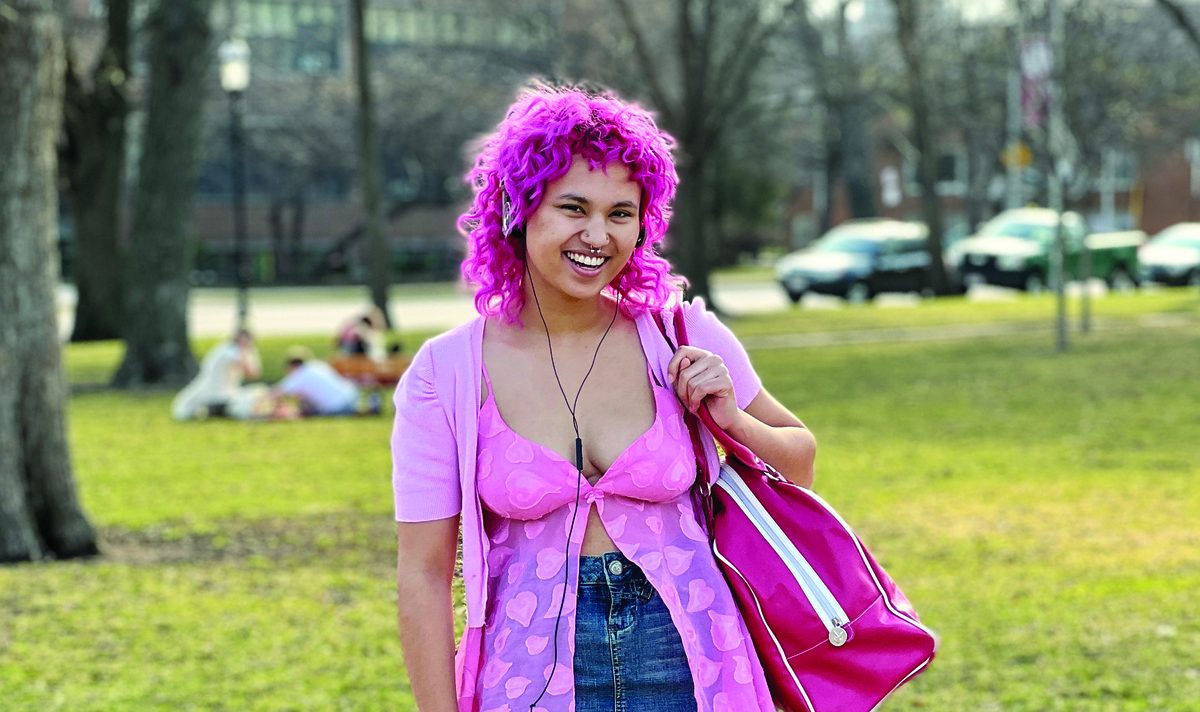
point(1172, 256)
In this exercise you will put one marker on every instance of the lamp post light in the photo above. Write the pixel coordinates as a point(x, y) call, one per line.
point(234, 55)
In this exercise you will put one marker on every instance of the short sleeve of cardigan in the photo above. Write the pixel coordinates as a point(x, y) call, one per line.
point(706, 331)
point(425, 479)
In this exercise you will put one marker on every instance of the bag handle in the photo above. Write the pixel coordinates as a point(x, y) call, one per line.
point(689, 418)
point(727, 441)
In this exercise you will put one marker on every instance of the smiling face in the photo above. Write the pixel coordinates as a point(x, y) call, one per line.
point(584, 209)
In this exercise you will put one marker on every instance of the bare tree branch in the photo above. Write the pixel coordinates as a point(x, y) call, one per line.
point(734, 76)
point(710, 21)
point(741, 43)
point(649, 68)
point(1176, 11)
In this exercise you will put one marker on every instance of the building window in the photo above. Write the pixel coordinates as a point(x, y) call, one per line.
point(951, 173)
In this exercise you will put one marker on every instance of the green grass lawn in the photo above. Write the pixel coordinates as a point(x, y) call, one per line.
point(1039, 508)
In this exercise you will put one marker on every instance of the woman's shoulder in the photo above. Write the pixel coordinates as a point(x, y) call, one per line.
point(454, 341)
point(441, 354)
point(703, 324)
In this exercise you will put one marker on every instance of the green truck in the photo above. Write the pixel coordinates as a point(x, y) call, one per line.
point(1013, 250)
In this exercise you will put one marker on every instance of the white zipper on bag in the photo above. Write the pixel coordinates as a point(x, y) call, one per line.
point(826, 606)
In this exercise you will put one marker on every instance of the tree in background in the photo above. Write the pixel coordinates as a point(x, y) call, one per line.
point(379, 258)
point(1182, 20)
point(835, 75)
point(702, 90)
point(307, 146)
point(92, 164)
point(924, 133)
point(974, 72)
point(425, 120)
point(1129, 84)
point(40, 514)
point(179, 53)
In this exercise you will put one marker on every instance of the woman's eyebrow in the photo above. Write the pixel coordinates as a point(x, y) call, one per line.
point(584, 201)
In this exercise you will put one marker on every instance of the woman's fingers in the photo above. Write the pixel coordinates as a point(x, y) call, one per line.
point(684, 357)
point(700, 379)
point(697, 374)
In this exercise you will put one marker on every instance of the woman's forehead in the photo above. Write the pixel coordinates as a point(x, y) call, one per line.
point(610, 183)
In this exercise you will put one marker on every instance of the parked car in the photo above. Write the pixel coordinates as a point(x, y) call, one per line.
point(857, 260)
point(1013, 250)
point(1172, 256)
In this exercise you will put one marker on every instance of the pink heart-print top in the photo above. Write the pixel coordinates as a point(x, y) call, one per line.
point(529, 495)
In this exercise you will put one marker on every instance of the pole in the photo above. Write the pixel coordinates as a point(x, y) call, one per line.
point(1085, 254)
point(1058, 168)
point(238, 168)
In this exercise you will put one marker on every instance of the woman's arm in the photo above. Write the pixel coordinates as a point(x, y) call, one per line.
point(778, 437)
point(425, 558)
point(765, 426)
point(251, 363)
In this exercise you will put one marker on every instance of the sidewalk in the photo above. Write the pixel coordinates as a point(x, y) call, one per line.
point(952, 332)
point(323, 310)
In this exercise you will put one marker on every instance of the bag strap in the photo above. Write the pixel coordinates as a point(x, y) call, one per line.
point(727, 441)
point(701, 492)
point(702, 482)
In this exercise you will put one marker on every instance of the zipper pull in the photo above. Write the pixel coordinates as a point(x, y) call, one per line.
point(837, 634)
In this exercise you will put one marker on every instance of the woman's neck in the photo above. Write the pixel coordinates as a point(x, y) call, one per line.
point(563, 315)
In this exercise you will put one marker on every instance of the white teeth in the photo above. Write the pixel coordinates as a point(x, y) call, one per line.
point(586, 260)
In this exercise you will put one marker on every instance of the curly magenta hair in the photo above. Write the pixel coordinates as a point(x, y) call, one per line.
point(535, 144)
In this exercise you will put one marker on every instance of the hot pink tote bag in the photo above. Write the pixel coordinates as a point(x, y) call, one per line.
point(833, 631)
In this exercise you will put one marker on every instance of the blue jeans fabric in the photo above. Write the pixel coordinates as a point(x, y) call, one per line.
point(628, 655)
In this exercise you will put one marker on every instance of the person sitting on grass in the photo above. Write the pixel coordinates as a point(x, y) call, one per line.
point(318, 388)
point(217, 389)
point(364, 336)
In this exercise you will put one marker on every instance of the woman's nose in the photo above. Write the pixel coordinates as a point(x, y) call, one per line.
point(594, 235)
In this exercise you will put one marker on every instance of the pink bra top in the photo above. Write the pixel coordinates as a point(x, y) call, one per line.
point(522, 479)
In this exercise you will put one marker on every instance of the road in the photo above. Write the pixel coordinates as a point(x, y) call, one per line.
point(318, 310)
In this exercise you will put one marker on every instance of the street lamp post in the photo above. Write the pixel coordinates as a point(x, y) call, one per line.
point(234, 55)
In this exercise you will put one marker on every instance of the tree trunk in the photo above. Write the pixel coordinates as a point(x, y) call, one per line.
point(160, 256)
point(856, 161)
point(978, 170)
point(831, 172)
point(379, 259)
point(849, 111)
point(691, 245)
point(923, 137)
point(95, 127)
point(297, 233)
point(275, 222)
point(40, 514)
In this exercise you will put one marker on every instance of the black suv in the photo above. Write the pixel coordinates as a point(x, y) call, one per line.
point(859, 259)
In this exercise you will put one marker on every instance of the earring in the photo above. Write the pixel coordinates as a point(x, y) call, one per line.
point(507, 219)
point(641, 238)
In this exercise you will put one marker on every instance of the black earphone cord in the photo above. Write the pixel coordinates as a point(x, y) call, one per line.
point(578, 464)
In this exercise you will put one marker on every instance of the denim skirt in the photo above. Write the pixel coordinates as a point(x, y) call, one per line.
point(628, 655)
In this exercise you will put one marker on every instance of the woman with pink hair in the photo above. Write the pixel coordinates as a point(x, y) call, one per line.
point(549, 435)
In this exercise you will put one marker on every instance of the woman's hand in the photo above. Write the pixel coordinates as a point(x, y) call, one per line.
point(700, 376)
